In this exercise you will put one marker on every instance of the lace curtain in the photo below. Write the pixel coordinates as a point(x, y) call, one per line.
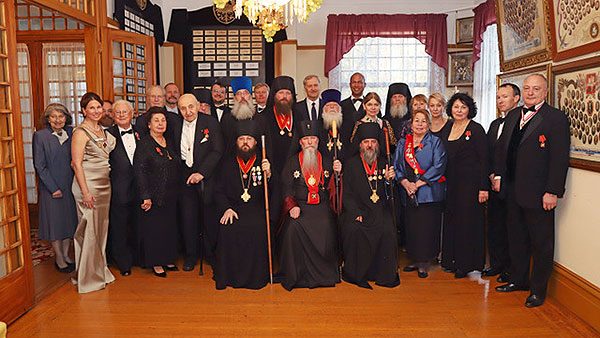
point(27, 119)
point(484, 77)
point(64, 75)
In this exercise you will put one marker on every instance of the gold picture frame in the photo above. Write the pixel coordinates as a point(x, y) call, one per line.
point(464, 30)
point(524, 33)
point(460, 70)
point(575, 29)
point(517, 76)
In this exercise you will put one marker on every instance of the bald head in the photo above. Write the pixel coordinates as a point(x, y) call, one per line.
point(188, 106)
point(535, 89)
point(155, 96)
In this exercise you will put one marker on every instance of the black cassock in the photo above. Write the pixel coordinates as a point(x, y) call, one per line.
point(370, 247)
point(242, 256)
point(280, 140)
point(307, 245)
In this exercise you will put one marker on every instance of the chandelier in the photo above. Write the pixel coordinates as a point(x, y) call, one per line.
point(272, 15)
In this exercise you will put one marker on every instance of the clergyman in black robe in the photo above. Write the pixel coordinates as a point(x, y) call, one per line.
point(308, 238)
point(368, 234)
point(242, 253)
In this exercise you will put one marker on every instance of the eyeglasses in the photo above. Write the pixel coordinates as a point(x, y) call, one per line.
point(121, 112)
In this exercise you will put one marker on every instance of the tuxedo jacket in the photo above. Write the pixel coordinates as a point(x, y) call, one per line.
point(213, 112)
point(349, 109)
point(122, 180)
point(302, 112)
point(493, 141)
point(542, 157)
point(208, 148)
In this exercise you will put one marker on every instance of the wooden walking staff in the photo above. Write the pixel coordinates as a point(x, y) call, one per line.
point(267, 215)
point(337, 198)
point(389, 161)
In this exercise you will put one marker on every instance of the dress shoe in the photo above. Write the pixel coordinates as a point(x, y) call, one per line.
point(126, 273)
point(171, 268)
point(66, 269)
point(534, 301)
point(490, 272)
point(448, 270)
point(510, 287)
point(503, 278)
point(160, 274)
point(409, 268)
point(460, 274)
point(188, 266)
point(423, 274)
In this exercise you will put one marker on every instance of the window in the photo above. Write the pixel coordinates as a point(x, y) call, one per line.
point(384, 61)
point(31, 17)
point(27, 119)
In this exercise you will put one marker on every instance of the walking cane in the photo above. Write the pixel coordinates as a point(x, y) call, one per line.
point(267, 215)
point(202, 230)
point(389, 160)
point(337, 198)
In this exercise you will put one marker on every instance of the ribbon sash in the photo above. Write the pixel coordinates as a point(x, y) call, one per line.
point(313, 179)
point(409, 155)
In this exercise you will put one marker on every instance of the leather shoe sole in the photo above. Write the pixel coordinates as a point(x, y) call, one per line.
point(510, 288)
point(534, 301)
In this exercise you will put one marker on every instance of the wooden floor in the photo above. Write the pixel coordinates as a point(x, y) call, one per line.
point(185, 305)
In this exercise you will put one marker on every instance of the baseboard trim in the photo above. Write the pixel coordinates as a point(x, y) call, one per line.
point(576, 294)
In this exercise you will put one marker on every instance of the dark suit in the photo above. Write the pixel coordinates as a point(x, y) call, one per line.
point(303, 113)
point(207, 152)
point(350, 110)
point(532, 161)
point(173, 120)
point(213, 112)
point(124, 204)
point(497, 237)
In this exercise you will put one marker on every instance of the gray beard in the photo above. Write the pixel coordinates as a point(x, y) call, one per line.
point(283, 108)
point(309, 162)
point(242, 111)
point(370, 155)
point(398, 111)
point(328, 118)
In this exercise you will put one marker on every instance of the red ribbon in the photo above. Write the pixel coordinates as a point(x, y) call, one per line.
point(313, 190)
point(409, 155)
point(283, 121)
point(245, 166)
point(369, 170)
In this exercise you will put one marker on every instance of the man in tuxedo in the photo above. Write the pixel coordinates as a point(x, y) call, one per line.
point(171, 96)
point(219, 93)
point(261, 94)
point(310, 108)
point(124, 201)
point(352, 105)
point(507, 98)
point(200, 145)
point(532, 159)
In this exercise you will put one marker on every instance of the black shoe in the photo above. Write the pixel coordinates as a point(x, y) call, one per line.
point(160, 274)
point(503, 278)
point(490, 272)
point(460, 274)
point(126, 273)
point(534, 301)
point(188, 266)
point(423, 274)
point(409, 268)
point(448, 270)
point(66, 269)
point(171, 268)
point(510, 287)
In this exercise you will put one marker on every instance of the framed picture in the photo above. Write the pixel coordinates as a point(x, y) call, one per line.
point(524, 33)
point(518, 76)
point(576, 91)
point(460, 72)
point(464, 30)
point(576, 29)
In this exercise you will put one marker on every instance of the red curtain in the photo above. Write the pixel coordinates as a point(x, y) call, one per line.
point(485, 15)
point(344, 30)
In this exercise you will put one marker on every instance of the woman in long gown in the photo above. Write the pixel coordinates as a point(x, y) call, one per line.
point(90, 152)
point(157, 173)
point(467, 188)
point(52, 162)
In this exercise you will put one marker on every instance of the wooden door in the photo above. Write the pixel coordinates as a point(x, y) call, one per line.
point(16, 274)
point(131, 65)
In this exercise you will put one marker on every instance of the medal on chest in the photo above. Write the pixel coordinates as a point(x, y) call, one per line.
point(284, 122)
point(372, 178)
point(246, 172)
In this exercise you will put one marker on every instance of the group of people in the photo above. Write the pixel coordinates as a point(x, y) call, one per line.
point(337, 184)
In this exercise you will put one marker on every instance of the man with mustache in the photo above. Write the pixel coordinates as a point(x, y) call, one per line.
point(308, 238)
point(332, 111)
point(367, 230)
point(279, 120)
point(397, 110)
point(219, 106)
point(241, 256)
point(171, 96)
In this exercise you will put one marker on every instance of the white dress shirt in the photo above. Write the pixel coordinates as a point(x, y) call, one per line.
point(357, 104)
point(309, 104)
point(172, 110)
point(187, 142)
point(128, 142)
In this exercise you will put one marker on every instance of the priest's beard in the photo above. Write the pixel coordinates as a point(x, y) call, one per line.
point(243, 110)
point(370, 154)
point(245, 152)
point(309, 161)
point(329, 117)
point(283, 107)
point(398, 110)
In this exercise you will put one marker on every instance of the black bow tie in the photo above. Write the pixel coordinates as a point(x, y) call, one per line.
point(129, 131)
point(356, 100)
point(59, 133)
point(532, 108)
